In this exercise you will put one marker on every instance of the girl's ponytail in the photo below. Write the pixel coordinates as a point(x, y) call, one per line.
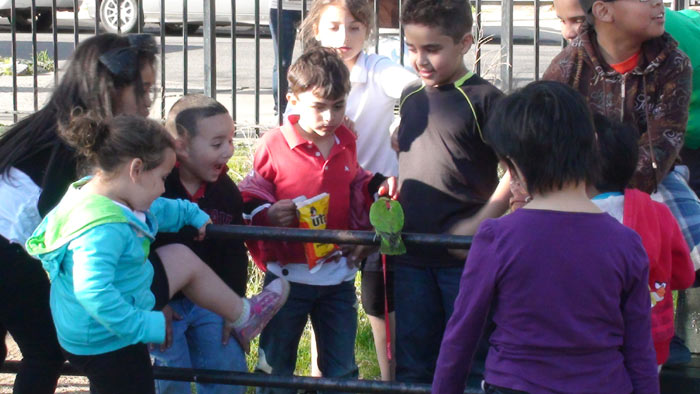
point(87, 133)
point(108, 143)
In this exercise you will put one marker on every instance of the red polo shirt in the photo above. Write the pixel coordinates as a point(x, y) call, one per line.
point(296, 167)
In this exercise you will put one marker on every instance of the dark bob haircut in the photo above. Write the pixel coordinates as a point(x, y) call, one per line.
point(618, 151)
point(546, 130)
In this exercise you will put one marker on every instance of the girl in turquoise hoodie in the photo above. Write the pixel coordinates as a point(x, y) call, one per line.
point(95, 247)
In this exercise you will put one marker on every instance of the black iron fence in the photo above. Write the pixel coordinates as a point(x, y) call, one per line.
point(38, 24)
point(30, 21)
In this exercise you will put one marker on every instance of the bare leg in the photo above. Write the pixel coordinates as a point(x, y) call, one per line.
point(186, 272)
point(386, 367)
point(245, 318)
point(315, 370)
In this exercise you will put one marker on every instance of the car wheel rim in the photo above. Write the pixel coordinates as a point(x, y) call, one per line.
point(126, 14)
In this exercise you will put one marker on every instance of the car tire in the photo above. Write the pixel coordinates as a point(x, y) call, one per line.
point(176, 28)
point(108, 15)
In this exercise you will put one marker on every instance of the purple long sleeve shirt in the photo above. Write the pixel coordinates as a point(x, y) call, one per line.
point(570, 303)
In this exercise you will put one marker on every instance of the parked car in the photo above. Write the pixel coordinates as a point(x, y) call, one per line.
point(245, 13)
point(24, 12)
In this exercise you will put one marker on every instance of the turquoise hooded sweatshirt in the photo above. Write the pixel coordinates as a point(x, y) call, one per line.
point(96, 255)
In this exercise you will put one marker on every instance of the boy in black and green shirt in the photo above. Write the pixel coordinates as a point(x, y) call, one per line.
point(447, 175)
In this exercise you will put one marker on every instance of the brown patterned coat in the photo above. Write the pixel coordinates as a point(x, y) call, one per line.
point(653, 97)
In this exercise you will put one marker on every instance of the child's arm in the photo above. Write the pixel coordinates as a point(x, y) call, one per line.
point(172, 215)
point(392, 77)
point(258, 190)
point(666, 122)
point(96, 256)
point(471, 308)
point(637, 347)
point(496, 206)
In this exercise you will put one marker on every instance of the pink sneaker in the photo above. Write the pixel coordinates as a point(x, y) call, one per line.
point(263, 306)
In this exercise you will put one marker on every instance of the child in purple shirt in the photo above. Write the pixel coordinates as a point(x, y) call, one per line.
point(566, 284)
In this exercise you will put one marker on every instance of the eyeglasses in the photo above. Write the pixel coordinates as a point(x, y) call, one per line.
point(123, 62)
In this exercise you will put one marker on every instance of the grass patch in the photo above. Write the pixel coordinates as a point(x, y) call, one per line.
point(240, 164)
point(44, 63)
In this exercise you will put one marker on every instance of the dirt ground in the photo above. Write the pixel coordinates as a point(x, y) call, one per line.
point(66, 384)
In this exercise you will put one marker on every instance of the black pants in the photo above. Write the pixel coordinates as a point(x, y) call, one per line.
point(25, 314)
point(125, 370)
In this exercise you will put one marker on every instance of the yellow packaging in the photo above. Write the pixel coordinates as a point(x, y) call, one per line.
point(313, 213)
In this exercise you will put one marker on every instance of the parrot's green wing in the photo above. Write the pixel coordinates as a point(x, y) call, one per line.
point(387, 218)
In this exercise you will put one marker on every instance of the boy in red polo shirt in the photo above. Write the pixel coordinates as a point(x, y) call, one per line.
point(312, 153)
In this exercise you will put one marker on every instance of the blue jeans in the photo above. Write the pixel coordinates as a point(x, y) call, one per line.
point(333, 311)
point(287, 35)
point(197, 344)
point(424, 300)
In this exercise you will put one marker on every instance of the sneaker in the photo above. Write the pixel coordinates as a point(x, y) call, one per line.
point(263, 307)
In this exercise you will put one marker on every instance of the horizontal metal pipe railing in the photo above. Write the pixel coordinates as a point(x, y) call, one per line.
point(354, 237)
point(264, 380)
point(295, 382)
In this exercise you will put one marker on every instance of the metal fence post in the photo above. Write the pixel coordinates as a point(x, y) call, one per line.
point(233, 59)
point(209, 35)
point(35, 80)
point(506, 45)
point(280, 74)
point(13, 30)
point(76, 33)
point(536, 40)
point(98, 5)
point(680, 4)
point(478, 37)
point(54, 31)
point(257, 66)
point(162, 60)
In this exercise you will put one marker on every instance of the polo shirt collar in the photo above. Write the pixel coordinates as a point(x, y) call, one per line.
point(290, 134)
point(343, 136)
point(358, 74)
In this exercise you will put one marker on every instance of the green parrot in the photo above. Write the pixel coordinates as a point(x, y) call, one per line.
point(387, 218)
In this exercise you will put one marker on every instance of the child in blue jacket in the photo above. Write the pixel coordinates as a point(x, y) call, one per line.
point(106, 294)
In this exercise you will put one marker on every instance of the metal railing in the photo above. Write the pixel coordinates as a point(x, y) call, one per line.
point(264, 380)
point(297, 382)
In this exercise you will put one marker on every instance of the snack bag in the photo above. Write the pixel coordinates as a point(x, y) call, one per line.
point(312, 215)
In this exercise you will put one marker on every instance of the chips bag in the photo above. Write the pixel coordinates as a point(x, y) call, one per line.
point(312, 215)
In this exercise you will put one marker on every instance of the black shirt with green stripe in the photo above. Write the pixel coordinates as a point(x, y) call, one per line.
point(446, 170)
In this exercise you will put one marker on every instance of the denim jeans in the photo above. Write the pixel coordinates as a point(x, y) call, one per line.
point(424, 301)
point(197, 344)
point(25, 314)
point(286, 35)
point(333, 311)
